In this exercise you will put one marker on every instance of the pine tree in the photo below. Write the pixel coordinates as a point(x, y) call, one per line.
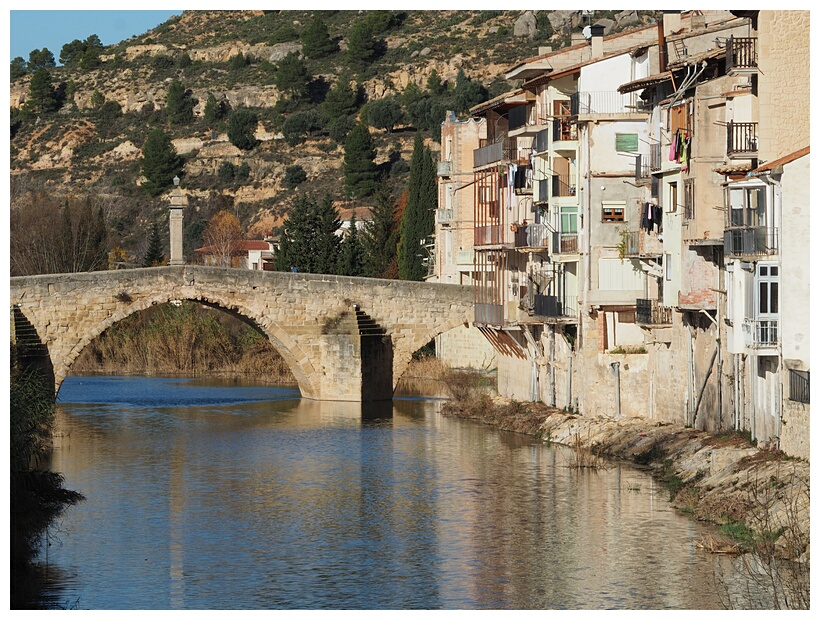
point(341, 100)
point(155, 254)
point(242, 129)
point(380, 235)
point(309, 242)
point(361, 173)
point(179, 105)
point(291, 76)
point(417, 222)
point(160, 162)
point(316, 41)
point(214, 111)
point(362, 47)
point(41, 96)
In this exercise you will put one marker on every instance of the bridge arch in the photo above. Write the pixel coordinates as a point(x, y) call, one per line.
point(281, 340)
point(310, 319)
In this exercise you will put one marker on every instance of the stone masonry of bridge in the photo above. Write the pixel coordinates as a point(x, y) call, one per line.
point(309, 318)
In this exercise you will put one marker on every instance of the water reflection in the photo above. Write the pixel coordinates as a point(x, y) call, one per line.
point(236, 497)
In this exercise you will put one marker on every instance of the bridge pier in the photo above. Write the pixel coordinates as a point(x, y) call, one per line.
point(356, 359)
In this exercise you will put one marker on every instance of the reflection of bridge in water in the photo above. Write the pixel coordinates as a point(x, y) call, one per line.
point(346, 339)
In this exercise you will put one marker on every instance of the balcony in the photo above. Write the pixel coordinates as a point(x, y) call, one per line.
point(488, 234)
point(648, 312)
point(741, 55)
point(655, 157)
point(444, 169)
point(638, 244)
point(741, 139)
point(761, 333)
point(561, 185)
point(541, 143)
point(564, 243)
point(531, 236)
point(799, 386)
point(607, 103)
point(543, 193)
point(489, 314)
point(750, 241)
point(488, 154)
point(444, 216)
point(553, 306)
point(564, 130)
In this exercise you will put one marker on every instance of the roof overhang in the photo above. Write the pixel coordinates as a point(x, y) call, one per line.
point(640, 84)
point(504, 102)
point(529, 70)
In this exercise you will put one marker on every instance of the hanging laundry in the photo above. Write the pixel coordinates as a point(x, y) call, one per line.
point(684, 159)
point(673, 147)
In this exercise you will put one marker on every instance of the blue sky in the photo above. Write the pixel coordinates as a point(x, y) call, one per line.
point(29, 30)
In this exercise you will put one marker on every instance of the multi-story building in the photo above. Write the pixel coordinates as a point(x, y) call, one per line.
point(641, 211)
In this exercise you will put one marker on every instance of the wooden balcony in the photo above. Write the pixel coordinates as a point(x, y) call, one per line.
point(741, 55)
point(648, 312)
point(741, 139)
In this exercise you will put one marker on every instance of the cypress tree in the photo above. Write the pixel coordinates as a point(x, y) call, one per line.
point(309, 242)
point(351, 258)
point(380, 235)
point(155, 255)
point(361, 173)
point(160, 162)
point(417, 222)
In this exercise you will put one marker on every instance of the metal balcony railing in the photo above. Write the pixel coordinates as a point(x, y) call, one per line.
point(607, 102)
point(741, 53)
point(488, 234)
point(642, 169)
point(641, 243)
point(561, 185)
point(489, 314)
point(655, 156)
point(761, 333)
point(541, 143)
point(648, 312)
point(444, 216)
point(531, 236)
point(564, 129)
point(565, 306)
point(750, 241)
point(799, 386)
point(741, 139)
point(564, 243)
point(543, 194)
point(488, 154)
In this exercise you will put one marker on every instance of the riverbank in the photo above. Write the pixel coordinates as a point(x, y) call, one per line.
point(755, 495)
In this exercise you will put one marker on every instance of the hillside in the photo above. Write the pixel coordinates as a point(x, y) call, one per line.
point(91, 144)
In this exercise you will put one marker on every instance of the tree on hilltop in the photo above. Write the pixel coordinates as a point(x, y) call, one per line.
point(42, 98)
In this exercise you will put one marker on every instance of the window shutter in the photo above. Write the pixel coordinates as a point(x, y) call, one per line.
point(626, 142)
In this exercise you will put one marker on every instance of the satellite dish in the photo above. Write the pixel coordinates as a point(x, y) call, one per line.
point(587, 32)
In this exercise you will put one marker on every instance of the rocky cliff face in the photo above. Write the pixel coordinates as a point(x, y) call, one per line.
point(74, 148)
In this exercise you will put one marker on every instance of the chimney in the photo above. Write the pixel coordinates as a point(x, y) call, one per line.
point(597, 40)
point(671, 22)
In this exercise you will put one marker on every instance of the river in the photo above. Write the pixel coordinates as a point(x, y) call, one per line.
point(204, 494)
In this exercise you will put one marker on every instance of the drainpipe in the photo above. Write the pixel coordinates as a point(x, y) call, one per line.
point(615, 370)
point(569, 380)
point(552, 366)
point(690, 396)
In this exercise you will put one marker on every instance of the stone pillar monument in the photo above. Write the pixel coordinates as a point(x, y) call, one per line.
point(178, 202)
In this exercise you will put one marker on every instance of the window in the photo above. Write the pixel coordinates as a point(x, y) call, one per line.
point(626, 142)
point(612, 211)
point(689, 199)
point(747, 206)
point(768, 280)
point(673, 198)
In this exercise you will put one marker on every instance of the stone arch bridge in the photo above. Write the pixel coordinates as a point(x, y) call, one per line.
point(344, 338)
